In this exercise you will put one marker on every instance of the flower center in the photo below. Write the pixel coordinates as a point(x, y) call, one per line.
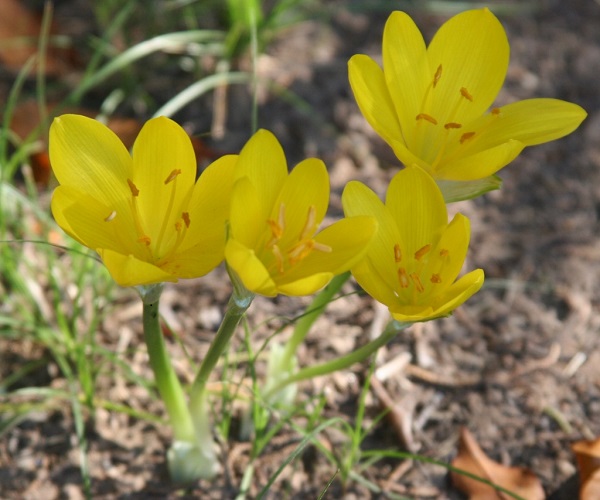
point(433, 137)
point(414, 286)
point(300, 247)
point(153, 249)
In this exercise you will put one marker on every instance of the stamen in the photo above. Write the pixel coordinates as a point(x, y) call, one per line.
point(277, 227)
point(278, 257)
point(300, 251)
point(435, 278)
point(425, 116)
point(397, 253)
point(134, 190)
point(186, 219)
point(322, 247)
point(495, 111)
point(276, 231)
point(450, 125)
point(444, 252)
point(145, 240)
point(309, 227)
point(111, 216)
point(417, 281)
point(437, 76)
point(466, 136)
point(421, 252)
point(465, 93)
point(403, 277)
point(173, 175)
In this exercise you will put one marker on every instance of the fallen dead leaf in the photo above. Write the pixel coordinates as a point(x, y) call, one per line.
point(472, 459)
point(590, 490)
point(20, 28)
point(587, 454)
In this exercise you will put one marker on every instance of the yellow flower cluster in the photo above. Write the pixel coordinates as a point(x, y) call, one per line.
point(151, 221)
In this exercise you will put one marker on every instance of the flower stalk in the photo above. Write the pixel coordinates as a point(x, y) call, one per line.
point(170, 390)
point(283, 362)
point(238, 304)
point(343, 362)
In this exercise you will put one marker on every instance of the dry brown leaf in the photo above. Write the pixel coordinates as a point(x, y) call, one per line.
point(590, 490)
point(19, 32)
point(587, 454)
point(472, 459)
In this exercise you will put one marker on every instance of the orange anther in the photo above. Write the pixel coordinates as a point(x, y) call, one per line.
point(145, 240)
point(437, 76)
point(495, 111)
point(444, 252)
point(417, 281)
point(397, 253)
point(420, 253)
point(452, 125)
point(466, 136)
point(134, 190)
point(186, 218)
point(173, 175)
point(111, 216)
point(466, 94)
point(276, 229)
point(403, 277)
point(435, 278)
point(426, 117)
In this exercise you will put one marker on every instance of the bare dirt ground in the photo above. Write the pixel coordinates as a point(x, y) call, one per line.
point(518, 365)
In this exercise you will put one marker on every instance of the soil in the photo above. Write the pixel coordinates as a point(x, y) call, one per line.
point(518, 364)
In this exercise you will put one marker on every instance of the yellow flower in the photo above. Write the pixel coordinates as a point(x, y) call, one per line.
point(415, 257)
point(143, 213)
point(273, 244)
point(432, 104)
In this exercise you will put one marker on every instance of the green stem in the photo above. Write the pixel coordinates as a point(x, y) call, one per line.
point(343, 362)
point(240, 300)
point(312, 313)
point(168, 384)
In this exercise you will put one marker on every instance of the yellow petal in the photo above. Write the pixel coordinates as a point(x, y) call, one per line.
point(413, 314)
point(454, 243)
point(368, 274)
point(126, 270)
point(262, 160)
point(532, 121)
point(298, 200)
point(417, 205)
point(358, 199)
point(407, 71)
point(209, 205)
point(195, 261)
point(372, 96)
point(93, 223)
point(305, 286)
point(249, 268)
point(248, 215)
point(162, 148)
point(480, 165)
point(348, 240)
point(459, 292)
point(473, 50)
point(87, 155)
